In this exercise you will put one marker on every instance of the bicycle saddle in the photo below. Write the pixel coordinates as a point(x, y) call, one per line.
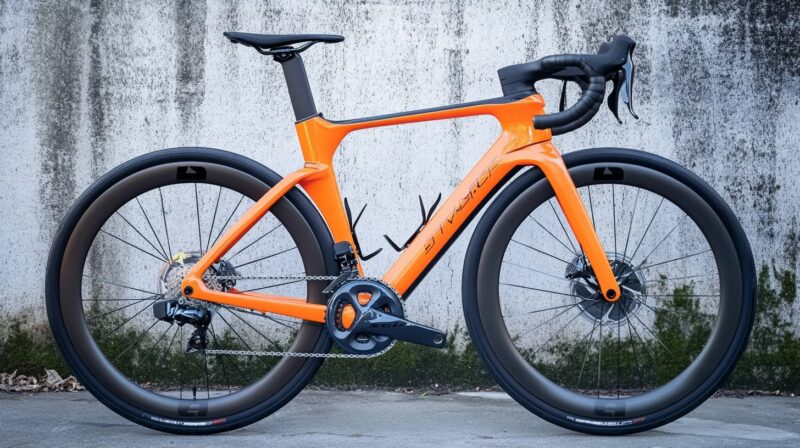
point(271, 41)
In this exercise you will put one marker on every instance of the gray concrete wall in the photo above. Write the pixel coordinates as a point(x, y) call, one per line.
point(87, 85)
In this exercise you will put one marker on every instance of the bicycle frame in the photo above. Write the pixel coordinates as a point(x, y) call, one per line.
point(519, 144)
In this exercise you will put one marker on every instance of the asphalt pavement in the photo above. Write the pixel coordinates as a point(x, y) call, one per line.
point(379, 418)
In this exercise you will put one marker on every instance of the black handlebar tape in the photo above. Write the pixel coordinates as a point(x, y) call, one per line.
point(584, 109)
point(573, 125)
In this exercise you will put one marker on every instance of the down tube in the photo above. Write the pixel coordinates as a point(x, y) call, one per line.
point(459, 207)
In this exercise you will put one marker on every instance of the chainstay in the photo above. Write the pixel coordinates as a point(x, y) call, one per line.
point(291, 354)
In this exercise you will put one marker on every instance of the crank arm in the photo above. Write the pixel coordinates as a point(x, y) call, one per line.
point(378, 322)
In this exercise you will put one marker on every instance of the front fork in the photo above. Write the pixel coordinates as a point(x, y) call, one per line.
point(547, 158)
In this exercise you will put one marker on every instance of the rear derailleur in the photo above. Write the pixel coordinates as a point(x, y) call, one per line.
point(172, 311)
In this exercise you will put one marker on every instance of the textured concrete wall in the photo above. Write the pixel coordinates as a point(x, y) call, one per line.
point(87, 85)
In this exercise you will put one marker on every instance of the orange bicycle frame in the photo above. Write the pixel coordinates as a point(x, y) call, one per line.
point(519, 144)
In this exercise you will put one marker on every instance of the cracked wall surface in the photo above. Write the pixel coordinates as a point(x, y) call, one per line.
point(87, 85)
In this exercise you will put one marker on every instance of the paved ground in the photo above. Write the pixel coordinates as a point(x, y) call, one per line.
point(324, 418)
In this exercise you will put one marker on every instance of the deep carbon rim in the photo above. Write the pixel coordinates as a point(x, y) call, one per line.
point(576, 404)
point(104, 371)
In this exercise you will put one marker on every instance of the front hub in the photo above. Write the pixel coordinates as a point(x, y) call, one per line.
point(584, 288)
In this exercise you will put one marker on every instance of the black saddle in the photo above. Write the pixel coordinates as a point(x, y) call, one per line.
point(272, 41)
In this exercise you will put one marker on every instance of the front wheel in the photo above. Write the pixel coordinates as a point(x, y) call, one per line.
point(688, 294)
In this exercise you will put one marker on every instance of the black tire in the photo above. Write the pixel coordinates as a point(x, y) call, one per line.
point(223, 169)
point(558, 403)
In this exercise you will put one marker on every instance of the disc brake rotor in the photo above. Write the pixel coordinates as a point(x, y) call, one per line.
point(585, 291)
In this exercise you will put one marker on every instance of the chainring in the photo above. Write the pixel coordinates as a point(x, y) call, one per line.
point(358, 296)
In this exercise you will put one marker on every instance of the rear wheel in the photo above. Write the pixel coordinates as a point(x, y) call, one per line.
point(117, 263)
point(537, 318)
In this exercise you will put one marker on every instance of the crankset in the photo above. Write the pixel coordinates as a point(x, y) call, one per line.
point(366, 316)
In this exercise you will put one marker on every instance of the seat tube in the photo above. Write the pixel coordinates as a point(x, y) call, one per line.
point(299, 90)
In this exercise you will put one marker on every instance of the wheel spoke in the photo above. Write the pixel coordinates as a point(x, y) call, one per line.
point(563, 326)
point(267, 257)
point(129, 319)
point(118, 284)
point(275, 285)
point(205, 368)
point(538, 272)
point(655, 336)
point(647, 229)
point(558, 218)
point(538, 289)
point(160, 358)
point(213, 219)
point(274, 344)
point(160, 338)
point(540, 251)
point(135, 341)
point(538, 311)
point(591, 207)
point(619, 343)
point(181, 364)
point(554, 237)
point(197, 209)
point(134, 246)
point(647, 257)
point(586, 356)
point(262, 315)
point(234, 331)
point(550, 320)
point(164, 216)
point(686, 295)
point(93, 318)
point(233, 212)
point(614, 215)
point(242, 375)
point(633, 344)
point(670, 279)
point(674, 259)
point(139, 233)
point(630, 224)
point(255, 241)
point(281, 322)
point(600, 339)
point(147, 218)
point(667, 310)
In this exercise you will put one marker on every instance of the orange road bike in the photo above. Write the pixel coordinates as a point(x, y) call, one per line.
point(609, 291)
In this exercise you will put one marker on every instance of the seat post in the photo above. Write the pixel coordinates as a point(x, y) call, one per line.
point(297, 81)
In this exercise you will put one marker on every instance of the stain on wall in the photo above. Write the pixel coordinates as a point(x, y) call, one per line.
point(96, 83)
point(97, 95)
point(190, 34)
point(57, 99)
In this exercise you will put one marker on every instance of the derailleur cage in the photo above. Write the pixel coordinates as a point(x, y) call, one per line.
point(198, 341)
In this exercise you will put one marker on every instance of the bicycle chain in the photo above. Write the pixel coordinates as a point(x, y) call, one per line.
point(294, 354)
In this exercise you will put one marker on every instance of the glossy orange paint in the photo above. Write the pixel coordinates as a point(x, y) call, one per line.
point(518, 144)
point(363, 298)
point(348, 315)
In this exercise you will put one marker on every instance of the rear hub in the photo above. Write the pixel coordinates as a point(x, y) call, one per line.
point(174, 307)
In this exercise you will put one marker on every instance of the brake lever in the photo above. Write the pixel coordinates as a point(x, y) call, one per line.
point(613, 97)
point(627, 89)
point(623, 88)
